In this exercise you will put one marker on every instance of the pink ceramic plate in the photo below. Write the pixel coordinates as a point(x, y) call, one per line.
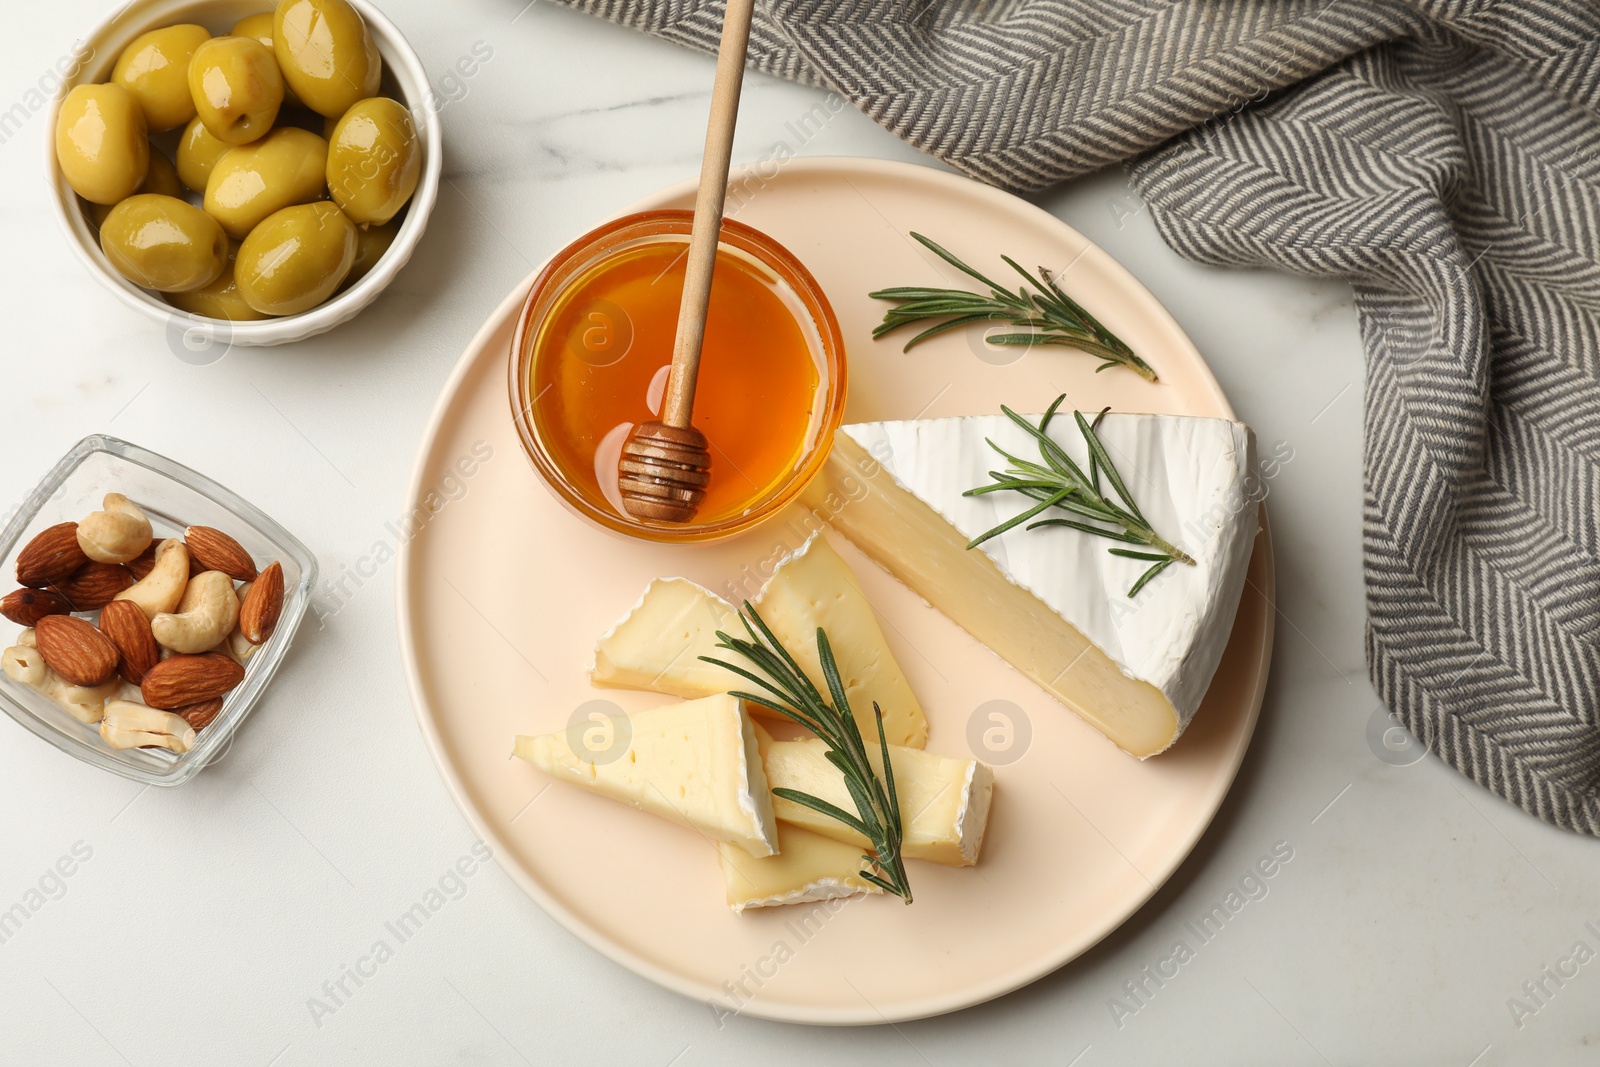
point(502, 593)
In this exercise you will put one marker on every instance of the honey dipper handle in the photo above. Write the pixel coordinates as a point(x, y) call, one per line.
point(678, 406)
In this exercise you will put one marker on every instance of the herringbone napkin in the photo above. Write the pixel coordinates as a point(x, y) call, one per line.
point(1444, 156)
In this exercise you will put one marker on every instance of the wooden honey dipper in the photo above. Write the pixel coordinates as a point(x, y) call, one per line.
point(666, 464)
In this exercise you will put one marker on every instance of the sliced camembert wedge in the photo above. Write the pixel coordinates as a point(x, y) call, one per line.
point(807, 868)
point(658, 645)
point(1053, 601)
point(697, 764)
point(944, 803)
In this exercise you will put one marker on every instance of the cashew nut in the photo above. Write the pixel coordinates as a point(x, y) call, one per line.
point(208, 611)
point(85, 703)
point(23, 663)
point(117, 534)
point(27, 639)
point(239, 647)
point(129, 724)
point(162, 588)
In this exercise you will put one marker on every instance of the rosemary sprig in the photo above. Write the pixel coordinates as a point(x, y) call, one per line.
point(791, 694)
point(1057, 318)
point(1058, 482)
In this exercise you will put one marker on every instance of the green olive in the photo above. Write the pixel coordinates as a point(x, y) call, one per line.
point(160, 178)
point(296, 259)
point(374, 160)
point(371, 243)
point(328, 57)
point(254, 180)
point(198, 152)
point(155, 69)
point(219, 300)
point(237, 88)
point(259, 27)
point(161, 242)
point(102, 142)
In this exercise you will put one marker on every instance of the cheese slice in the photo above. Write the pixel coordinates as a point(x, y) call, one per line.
point(1052, 601)
point(697, 764)
point(944, 803)
point(658, 644)
point(807, 868)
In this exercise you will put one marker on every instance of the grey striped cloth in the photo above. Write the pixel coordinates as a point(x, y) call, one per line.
point(1444, 156)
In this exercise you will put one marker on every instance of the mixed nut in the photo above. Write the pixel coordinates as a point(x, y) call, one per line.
point(172, 634)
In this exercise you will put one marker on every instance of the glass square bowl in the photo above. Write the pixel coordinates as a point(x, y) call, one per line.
point(173, 496)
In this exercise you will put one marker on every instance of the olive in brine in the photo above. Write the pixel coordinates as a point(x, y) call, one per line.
point(295, 259)
point(102, 143)
point(237, 88)
point(198, 152)
point(219, 300)
point(374, 160)
point(161, 178)
point(371, 244)
point(161, 242)
point(327, 55)
point(259, 27)
point(155, 69)
point(254, 180)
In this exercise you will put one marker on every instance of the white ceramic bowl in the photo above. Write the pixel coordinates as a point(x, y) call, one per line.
point(403, 77)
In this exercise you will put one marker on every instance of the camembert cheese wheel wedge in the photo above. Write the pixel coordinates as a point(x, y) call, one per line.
point(808, 867)
point(944, 803)
point(1052, 601)
point(697, 764)
point(658, 644)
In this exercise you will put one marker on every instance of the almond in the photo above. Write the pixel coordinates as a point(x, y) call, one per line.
point(94, 585)
point(51, 556)
point(180, 681)
point(143, 563)
point(199, 716)
point(258, 615)
point(125, 626)
point(216, 551)
point(76, 651)
point(26, 607)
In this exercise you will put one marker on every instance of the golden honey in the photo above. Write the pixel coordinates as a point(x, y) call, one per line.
point(595, 365)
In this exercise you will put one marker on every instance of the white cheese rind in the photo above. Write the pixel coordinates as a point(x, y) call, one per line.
point(1189, 476)
point(972, 817)
point(697, 764)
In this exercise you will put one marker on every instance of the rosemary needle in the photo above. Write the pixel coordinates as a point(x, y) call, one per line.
point(791, 694)
point(1056, 318)
point(1058, 483)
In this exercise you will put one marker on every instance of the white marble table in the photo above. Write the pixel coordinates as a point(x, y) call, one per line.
point(198, 924)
